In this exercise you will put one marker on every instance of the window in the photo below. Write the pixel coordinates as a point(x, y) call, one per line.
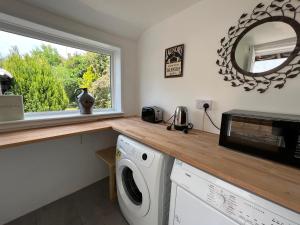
point(268, 56)
point(262, 65)
point(48, 66)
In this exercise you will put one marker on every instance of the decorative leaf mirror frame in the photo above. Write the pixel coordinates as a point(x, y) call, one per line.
point(285, 11)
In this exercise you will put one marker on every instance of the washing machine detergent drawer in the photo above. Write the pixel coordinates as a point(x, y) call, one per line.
point(135, 151)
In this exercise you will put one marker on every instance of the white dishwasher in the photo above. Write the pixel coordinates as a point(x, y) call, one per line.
point(198, 198)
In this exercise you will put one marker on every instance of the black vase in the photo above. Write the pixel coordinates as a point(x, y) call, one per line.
point(85, 101)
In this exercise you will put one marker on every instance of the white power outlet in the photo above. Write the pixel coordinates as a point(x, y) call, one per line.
point(200, 103)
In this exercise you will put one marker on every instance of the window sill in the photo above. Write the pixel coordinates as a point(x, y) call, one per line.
point(40, 120)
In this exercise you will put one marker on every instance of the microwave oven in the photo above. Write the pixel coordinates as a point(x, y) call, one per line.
point(268, 135)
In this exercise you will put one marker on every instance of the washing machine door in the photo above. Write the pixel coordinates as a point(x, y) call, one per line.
point(132, 188)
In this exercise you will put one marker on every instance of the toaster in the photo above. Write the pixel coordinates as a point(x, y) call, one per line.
point(152, 114)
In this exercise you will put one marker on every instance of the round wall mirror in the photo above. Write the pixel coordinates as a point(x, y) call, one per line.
point(265, 47)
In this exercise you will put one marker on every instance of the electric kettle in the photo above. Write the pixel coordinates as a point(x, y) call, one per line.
point(181, 120)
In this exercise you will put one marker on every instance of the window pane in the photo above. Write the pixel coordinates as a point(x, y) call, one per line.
point(47, 74)
point(265, 65)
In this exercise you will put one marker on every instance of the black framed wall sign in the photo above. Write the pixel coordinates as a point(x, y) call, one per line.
point(174, 57)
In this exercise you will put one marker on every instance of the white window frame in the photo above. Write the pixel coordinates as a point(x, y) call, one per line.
point(29, 29)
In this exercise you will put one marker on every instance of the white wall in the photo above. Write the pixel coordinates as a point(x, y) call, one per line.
point(200, 28)
point(34, 175)
point(128, 47)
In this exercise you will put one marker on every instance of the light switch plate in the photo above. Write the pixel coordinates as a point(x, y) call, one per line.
point(201, 102)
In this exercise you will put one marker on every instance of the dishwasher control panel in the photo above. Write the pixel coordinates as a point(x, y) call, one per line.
point(241, 210)
point(241, 206)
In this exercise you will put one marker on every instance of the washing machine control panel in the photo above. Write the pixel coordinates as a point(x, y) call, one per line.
point(136, 151)
point(229, 202)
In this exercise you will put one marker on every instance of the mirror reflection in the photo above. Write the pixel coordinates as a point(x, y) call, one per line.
point(265, 47)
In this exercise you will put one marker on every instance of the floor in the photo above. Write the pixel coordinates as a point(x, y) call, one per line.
point(89, 206)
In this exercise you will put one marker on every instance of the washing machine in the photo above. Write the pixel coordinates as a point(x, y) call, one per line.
point(143, 182)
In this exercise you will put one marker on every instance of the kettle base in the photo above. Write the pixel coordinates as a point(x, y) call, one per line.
point(181, 128)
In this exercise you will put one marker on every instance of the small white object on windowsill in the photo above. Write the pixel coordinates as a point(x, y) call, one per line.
point(11, 107)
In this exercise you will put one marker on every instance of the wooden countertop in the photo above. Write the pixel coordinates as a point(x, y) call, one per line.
point(270, 180)
point(16, 138)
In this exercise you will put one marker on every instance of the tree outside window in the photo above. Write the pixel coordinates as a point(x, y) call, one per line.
point(47, 79)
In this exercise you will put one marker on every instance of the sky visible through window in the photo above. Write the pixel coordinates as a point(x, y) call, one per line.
point(26, 44)
point(266, 65)
point(48, 74)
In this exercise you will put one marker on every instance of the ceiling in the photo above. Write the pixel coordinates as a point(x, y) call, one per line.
point(126, 18)
point(270, 32)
